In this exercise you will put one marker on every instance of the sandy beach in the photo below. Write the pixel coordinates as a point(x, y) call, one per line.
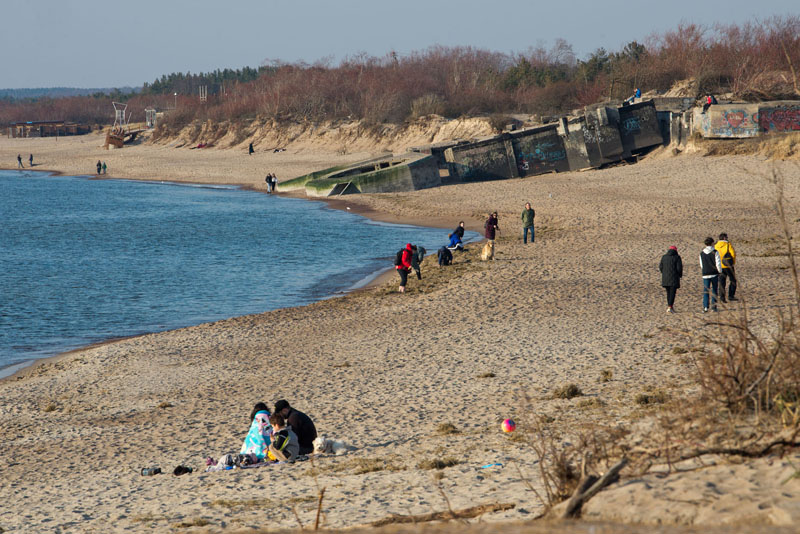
point(382, 371)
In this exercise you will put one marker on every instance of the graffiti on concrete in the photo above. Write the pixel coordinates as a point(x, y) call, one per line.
point(631, 125)
point(733, 123)
point(491, 162)
point(539, 156)
point(779, 119)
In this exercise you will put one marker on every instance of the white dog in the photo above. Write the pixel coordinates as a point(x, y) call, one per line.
point(323, 445)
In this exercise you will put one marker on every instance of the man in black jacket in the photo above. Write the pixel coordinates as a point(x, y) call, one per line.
point(671, 268)
point(301, 424)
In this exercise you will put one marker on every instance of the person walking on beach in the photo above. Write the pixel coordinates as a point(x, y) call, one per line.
point(671, 268)
point(728, 259)
point(491, 227)
point(274, 183)
point(19, 161)
point(711, 266)
point(104, 167)
point(250, 150)
point(99, 166)
point(268, 181)
point(527, 222)
point(402, 263)
point(30, 160)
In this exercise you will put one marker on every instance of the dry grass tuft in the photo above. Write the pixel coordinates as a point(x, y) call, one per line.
point(165, 404)
point(649, 398)
point(487, 374)
point(567, 391)
point(357, 466)
point(446, 429)
point(606, 375)
point(246, 504)
point(438, 463)
point(198, 522)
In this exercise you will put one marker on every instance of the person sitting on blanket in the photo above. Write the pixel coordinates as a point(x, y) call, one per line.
point(284, 447)
point(258, 438)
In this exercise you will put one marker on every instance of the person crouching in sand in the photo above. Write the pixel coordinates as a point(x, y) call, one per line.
point(285, 446)
point(403, 266)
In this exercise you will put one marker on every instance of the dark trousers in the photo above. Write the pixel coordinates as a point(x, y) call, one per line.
point(727, 272)
point(671, 291)
point(403, 276)
point(525, 234)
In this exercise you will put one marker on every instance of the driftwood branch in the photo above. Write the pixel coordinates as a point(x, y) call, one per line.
point(466, 513)
point(747, 453)
point(582, 494)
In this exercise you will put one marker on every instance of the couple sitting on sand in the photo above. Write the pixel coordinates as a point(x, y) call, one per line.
point(286, 435)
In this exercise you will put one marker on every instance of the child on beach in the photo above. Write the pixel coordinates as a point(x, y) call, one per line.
point(285, 446)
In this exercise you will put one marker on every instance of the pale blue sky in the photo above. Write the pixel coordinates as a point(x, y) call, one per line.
point(110, 43)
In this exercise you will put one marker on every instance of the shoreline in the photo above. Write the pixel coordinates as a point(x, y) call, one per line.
point(374, 279)
point(384, 372)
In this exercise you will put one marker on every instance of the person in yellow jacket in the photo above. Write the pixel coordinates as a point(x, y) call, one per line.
point(728, 258)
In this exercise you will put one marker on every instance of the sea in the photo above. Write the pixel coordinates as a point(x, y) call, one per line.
point(85, 260)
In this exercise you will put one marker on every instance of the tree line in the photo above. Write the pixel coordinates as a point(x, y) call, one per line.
point(755, 60)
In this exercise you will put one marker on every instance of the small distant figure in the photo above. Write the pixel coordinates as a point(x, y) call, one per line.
point(456, 237)
point(671, 268)
point(19, 162)
point(444, 256)
point(274, 183)
point(728, 260)
point(300, 423)
point(99, 167)
point(416, 259)
point(491, 227)
point(268, 181)
point(637, 94)
point(402, 262)
point(711, 267)
point(30, 160)
point(710, 100)
point(104, 167)
point(528, 215)
point(250, 150)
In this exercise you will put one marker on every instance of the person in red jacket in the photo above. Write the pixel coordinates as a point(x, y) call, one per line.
point(405, 267)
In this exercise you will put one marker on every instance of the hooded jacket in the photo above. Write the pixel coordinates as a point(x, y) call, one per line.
point(710, 262)
point(671, 268)
point(405, 260)
point(725, 248)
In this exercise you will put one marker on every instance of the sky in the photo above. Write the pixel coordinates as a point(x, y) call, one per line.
point(116, 43)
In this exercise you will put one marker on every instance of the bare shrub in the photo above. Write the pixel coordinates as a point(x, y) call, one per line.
point(430, 104)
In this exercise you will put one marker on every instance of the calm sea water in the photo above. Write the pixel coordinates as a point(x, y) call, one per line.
point(87, 260)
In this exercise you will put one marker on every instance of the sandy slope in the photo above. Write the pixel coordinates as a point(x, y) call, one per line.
point(382, 370)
